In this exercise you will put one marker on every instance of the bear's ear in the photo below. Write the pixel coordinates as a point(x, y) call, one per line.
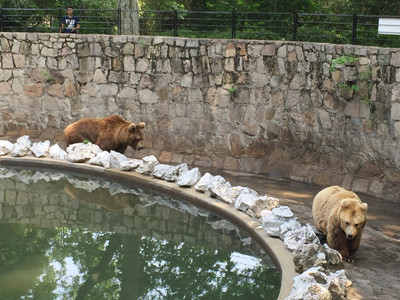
point(364, 206)
point(141, 125)
point(132, 127)
point(345, 203)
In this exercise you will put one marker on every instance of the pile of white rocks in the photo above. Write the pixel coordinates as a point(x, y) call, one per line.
point(310, 257)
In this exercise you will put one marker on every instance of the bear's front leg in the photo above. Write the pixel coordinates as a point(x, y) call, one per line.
point(337, 240)
point(354, 244)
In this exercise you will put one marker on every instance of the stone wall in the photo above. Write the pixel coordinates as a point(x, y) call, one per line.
point(282, 109)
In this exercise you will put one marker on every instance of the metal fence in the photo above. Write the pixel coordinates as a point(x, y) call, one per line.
point(341, 29)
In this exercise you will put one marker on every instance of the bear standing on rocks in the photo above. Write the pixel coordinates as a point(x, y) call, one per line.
point(110, 133)
point(340, 215)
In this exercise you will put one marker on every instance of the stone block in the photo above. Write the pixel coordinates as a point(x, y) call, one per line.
point(70, 89)
point(55, 90)
point(33, 90)
point(230, 50)
point(147, 97)
point(395, 59)
point(129, 63)
point(19, 61)
point(5, 88)
point(99, 77)
point(268, 50)
point(7, 61)
point(395, 112)
point(360, 185)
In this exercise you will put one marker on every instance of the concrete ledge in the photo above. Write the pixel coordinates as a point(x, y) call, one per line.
point(278, 252)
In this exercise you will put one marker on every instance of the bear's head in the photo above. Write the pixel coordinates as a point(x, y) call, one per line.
point(353, 215)
point(136, 136)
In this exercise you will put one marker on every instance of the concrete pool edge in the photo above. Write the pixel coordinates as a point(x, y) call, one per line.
point(275, 248)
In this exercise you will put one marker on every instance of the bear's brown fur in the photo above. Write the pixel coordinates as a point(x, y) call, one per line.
point(341, 216)
point(110, 133)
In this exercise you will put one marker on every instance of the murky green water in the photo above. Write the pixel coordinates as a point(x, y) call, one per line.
point(62, 237)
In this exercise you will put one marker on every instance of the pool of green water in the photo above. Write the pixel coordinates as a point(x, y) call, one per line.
point(67, 237)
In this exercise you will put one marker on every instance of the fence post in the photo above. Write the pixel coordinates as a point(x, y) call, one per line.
point(59, 19)
point(119, 22)
point(354, 31)
point(175, 23)
point(233, 24)
point(295, 25)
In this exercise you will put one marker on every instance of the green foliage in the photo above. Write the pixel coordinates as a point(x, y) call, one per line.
point(231, 90)
point(86, 141)
point(341, 61)
point(47, 76)
point(287, 108)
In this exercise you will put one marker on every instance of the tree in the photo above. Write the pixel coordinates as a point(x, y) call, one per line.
point(129, 16)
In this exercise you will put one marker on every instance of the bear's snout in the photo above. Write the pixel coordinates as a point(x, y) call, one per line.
point(138, 148)
point(350, 236)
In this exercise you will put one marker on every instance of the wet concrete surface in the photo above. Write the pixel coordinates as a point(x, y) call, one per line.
point(376, 271)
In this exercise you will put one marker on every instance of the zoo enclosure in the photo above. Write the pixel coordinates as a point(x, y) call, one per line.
point(339, 29)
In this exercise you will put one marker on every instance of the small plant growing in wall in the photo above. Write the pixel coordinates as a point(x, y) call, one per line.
point(341, 61)
point(287, 108)
point(232, 91)
point(86, 141)
point(47, 76)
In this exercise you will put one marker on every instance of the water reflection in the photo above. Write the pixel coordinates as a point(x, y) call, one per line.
point(62, 237)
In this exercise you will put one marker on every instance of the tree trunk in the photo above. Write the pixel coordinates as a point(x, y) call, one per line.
point(129, 16)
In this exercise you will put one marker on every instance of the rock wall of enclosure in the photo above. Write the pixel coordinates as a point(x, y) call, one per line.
point(318, 113)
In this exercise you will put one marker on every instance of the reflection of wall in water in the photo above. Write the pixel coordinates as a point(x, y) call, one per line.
point(55, 204)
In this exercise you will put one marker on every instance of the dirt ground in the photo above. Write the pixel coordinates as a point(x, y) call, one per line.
point(376, 271)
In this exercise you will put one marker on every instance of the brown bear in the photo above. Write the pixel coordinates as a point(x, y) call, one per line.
point(340, 215)
point(110, 133)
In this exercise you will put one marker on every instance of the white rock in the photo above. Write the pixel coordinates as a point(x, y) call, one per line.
point(116, 159)
point(306, 287)
point(271, 223)
point(40, 149)
point(246, 199)
point(227, 193)
point(261, 203)
point(303, 235)
point(211, 185)
point(315, 283)
point(6, 147)
point(147, 165)
point(288, 226)
point(130, 164)
point(168, 172)
point(55, 152)
point(333, 256)
point(81, 152)
point(283, 213)
point(21, 147)
point(204, 183)
point(160, 169)
point(189, 178)
point(173, 174)
point(268, 202)
point(101, 159)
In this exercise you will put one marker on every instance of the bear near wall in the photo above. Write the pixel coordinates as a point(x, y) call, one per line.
point(341, 216)
point(109, 133)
